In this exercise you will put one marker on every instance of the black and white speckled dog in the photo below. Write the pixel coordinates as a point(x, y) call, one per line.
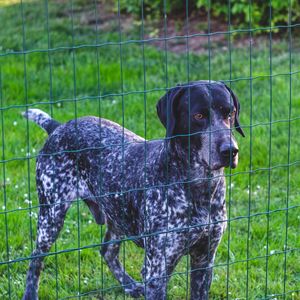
point(168, 194)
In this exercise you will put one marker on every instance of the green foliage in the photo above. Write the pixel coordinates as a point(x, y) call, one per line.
point(155, 8)
point(259, 13)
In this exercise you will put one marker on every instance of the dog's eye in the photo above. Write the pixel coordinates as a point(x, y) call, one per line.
point(198, 116)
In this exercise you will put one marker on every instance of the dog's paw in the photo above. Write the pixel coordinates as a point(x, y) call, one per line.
point(135, 290)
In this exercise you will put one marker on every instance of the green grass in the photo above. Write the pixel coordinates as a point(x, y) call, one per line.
point(260, 250)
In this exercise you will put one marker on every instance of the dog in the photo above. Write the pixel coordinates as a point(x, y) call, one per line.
point(167, 195)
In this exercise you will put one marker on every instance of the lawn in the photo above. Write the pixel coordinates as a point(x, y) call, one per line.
point(259, 254)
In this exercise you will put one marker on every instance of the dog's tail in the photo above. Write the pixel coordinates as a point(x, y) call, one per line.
point(42, 119)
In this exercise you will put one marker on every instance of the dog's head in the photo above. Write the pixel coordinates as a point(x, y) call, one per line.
point(203, 113)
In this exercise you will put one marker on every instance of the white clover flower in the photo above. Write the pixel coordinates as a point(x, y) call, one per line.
point(32, 215)
point(15, 123)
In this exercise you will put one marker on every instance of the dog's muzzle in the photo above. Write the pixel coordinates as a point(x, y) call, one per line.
point(229, 155)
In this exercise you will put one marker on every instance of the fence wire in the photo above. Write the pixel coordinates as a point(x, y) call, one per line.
point(75, 58)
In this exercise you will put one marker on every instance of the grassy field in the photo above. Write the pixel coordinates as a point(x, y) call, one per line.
point(259, 254)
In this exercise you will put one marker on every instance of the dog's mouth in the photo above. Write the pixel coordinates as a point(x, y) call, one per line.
point(231, 162)
point(219, 165)
point(231, 166)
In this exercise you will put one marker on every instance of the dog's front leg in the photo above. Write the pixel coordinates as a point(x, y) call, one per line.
point(163, 251)
point(155, 277)
point(202, 261)
point(201, 275)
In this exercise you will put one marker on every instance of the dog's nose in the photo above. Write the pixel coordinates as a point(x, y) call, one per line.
point(228, 151)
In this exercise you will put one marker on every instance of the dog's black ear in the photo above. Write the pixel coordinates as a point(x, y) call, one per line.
point(167, 109)
point(236, 104)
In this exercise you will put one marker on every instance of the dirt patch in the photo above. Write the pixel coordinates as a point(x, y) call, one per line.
point(189, 34)
point(176, 33)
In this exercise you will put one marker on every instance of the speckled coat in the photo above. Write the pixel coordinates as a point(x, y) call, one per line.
point(168, 196)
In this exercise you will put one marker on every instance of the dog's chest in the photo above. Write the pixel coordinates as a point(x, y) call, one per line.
point(208, 210)
point(190, 212)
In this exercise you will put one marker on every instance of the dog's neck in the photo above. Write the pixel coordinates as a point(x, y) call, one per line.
point(187, 160)
point(201, 183)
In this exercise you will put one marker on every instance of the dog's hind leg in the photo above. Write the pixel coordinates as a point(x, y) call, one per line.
point(51, 220)
point(56, 192)
point(110, 252)
point(96, 211)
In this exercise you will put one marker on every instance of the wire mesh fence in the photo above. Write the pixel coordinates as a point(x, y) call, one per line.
point(115, 60)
